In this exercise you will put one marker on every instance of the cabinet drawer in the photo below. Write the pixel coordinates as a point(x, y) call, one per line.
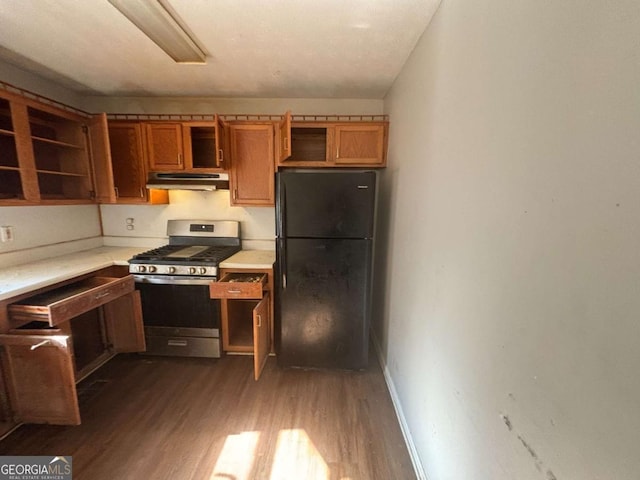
point(239, 285)
point(62, 304)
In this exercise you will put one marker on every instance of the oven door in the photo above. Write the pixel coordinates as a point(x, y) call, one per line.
point(180, 318)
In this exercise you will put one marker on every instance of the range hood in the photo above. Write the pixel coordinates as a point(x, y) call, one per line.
point(188, 181)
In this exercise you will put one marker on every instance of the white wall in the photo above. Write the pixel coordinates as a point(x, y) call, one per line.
point(21, 78)
point(68, 228)
point(511, 292)
point(211, 105)
point(257, 224)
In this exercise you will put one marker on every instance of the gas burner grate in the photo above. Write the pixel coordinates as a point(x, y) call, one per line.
point(190, 254)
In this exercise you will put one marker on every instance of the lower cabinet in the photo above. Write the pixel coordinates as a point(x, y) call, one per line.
point(247, 312)
point(43, 359)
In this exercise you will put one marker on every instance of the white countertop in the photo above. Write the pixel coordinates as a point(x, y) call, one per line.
point(250, 259)
point(31, 276)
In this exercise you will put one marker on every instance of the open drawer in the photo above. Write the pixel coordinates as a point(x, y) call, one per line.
point(63, 303)
point(42, 363)
point(239, 285)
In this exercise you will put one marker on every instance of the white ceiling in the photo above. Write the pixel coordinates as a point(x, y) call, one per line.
point(258, 48)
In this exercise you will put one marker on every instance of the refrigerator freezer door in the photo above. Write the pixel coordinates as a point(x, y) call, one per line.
point(324, 305)
point(326, 204)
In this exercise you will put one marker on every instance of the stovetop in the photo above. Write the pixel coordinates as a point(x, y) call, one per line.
point(186, 254)
point(195, 249)
point(181, 261)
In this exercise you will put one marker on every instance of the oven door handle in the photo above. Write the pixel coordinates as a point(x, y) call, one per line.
point(173, 280)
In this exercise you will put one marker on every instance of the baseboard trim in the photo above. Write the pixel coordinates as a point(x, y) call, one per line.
point(404, 427)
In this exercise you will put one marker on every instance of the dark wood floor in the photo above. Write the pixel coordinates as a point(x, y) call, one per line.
point(178, 418)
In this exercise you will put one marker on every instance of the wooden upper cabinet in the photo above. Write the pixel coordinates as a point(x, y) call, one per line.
point(359, 144)
point(252, 164)
point(119, 163)
point(164, 146)
point(204, 145)
point(44, 153)
point(128, 162)
point(331, 144)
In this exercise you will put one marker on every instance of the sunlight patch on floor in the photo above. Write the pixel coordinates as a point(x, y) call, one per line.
point(237, 457)
point(297, 457)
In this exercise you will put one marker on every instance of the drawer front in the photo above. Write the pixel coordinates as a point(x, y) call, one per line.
point(239, 285)
point(183, 346)
point(62, 304)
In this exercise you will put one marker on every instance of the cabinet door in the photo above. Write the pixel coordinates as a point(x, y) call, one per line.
point(359, 144)
point(40, 378)
point(123, 321)
point(164, 146)
point(99, 136)
point(252, 164)
point(284, 137)
point(221, 144)
point(261, 335)
point(127, 160)
point(17, 165)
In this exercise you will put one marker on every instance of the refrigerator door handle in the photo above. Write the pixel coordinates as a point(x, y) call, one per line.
point(280, 208)
point(282, 262)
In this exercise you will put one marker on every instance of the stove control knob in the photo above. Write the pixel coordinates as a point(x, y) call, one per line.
point(192, 270)
point(142, 268)
point(171, 269)
point(152, 269)
point(202, 270)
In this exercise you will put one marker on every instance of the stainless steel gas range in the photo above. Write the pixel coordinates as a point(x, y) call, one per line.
point(179, 317)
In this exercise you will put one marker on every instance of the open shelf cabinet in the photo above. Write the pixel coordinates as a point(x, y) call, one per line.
point(44, 153)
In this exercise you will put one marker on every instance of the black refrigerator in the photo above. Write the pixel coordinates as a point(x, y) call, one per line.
point(325, 223)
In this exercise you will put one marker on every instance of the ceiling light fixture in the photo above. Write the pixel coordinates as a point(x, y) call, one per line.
point(160, 22)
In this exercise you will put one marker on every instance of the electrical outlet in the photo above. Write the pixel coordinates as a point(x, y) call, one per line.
point(6, 233)
point(130, 225)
